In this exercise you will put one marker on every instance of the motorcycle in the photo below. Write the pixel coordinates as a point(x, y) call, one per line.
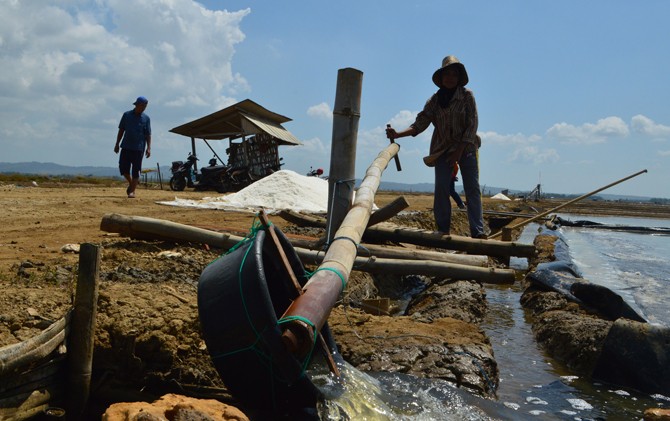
point(315, 172)
point(182, 173)
point(212, 177)
point(222, 178)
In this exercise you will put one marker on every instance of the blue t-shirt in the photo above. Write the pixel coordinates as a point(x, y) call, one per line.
point(136, 130)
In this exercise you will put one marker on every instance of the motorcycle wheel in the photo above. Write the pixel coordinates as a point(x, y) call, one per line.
point(223, 187)
point(177, 183)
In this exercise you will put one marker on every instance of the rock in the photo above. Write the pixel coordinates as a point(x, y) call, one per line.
point(70, 248)
point(574, 338)
point(174, 407)
point(462, 300)
point(657, 414)
point(447, 348)
point(636, 354)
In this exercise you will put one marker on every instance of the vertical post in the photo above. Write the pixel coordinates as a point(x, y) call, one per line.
point(160, 178)
point(82, 331)
point(506, 236)
point(195, 163)
point(341, 177)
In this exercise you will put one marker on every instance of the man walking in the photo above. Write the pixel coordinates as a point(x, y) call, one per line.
point(133, 137)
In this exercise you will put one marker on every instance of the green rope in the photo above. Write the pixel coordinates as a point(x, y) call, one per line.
point(315, 334)
point(256, 226)
point(239, 282)
point(265, 358)
point(344, 283)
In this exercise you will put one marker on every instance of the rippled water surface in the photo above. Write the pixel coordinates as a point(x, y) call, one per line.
point(631, 264)
point(532, 385)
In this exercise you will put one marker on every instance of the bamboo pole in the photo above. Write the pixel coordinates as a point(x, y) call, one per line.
point(324, 287)
point(374, 264)
point(157, 228)
point(294, 279)
point(538, 216)
point(28, 405)
point(13, 357)
point(140, 226)
point(393, 252)
point(80, 343)
point(425, 238)
point(341, 177)
point(388, 211)
point(33, 379)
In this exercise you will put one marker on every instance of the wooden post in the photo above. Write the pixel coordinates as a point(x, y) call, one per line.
point(341, 176)
point(388, 211)
point(195, 163)
point(82, 331)
point(160, 178)
point(506, 236)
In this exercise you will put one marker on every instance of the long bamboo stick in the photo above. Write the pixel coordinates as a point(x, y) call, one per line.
point(425, 238)
point(538, 216)
point(13, 357)
point(402, 253)
point(455, 271)
point(325, 286)
point(140, 226)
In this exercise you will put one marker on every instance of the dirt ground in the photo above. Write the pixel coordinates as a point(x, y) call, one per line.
point(39, 221)
point(147, 324)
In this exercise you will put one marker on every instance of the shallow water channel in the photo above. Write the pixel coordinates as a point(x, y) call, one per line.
point(532, 385)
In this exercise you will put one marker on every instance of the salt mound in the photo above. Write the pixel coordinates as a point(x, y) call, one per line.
point(281, 190)
point(500, 196)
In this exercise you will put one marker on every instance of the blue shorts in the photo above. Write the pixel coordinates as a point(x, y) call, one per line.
point(130, 159)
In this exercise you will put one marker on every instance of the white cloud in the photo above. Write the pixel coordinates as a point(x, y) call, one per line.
point(322, 111)
point(507, 139)
point(313, 153)
point(403, 119)
point(522, 148)
point(646, 126)
point(588, 133)
point(664, 153)
point(534, 154)
point(72, 66)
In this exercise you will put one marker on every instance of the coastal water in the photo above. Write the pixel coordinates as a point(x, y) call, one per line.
point(532, 385)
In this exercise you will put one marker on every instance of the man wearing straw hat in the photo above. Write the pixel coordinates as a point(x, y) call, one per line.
point(453, 113)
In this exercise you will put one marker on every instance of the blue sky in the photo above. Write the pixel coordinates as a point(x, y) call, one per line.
point(571, 94)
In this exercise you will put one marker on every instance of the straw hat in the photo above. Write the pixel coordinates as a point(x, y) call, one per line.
point(450, 61)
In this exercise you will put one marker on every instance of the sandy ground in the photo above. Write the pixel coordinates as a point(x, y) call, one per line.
point(39, 221)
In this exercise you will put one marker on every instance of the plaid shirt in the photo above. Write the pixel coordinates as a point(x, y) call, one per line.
point(457, 123)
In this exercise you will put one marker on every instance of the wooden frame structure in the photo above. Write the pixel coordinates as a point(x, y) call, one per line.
point(257, 130)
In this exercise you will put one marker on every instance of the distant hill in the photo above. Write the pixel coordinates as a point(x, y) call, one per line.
point(48, 168)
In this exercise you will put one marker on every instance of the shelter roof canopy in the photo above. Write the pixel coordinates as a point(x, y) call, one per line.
point(242, 119)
